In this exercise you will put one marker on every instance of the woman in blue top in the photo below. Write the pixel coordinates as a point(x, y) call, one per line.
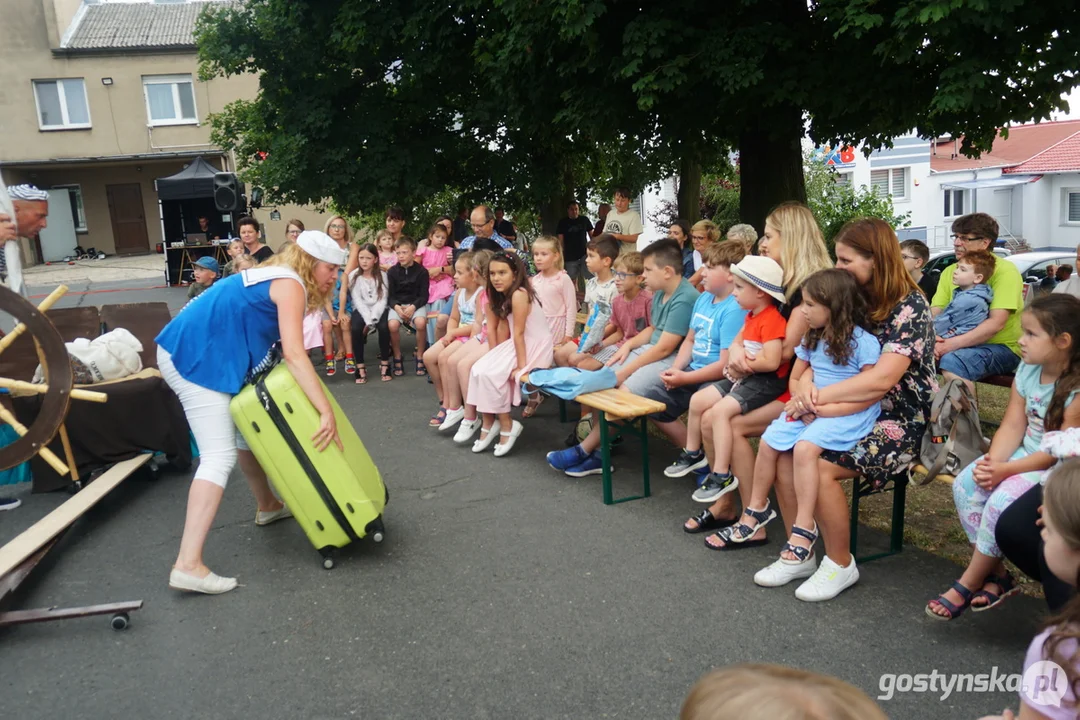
point(207, 353)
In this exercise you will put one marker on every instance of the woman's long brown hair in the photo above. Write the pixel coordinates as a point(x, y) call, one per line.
point(890, 282)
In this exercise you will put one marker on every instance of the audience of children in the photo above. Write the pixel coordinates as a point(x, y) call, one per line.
point(408, 283)
point(369, 292)
point(641, 360)
point(495, 381)
point(970, 304)
point(631, 312)
point(205, 272)
point(235, 249)
point(457, 368)
point(384, 241)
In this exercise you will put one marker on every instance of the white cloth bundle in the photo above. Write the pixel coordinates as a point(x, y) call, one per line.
point(111, 356)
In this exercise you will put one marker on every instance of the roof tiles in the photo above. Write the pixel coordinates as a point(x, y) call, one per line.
point(120, 25)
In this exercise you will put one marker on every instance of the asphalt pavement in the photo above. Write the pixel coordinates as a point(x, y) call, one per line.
point(503, 589)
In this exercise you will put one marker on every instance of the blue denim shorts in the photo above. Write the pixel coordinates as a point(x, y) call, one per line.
point(975, 363)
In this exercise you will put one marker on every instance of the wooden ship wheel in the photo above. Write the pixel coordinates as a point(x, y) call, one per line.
point(22, 554)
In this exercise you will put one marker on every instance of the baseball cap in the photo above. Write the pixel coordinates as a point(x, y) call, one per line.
point(209, 263)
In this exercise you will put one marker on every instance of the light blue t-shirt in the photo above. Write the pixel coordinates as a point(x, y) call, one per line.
point(715, 325)
point(1037, 397)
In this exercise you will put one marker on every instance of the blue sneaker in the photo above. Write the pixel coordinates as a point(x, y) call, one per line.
point(566, 459)
point(591, 465)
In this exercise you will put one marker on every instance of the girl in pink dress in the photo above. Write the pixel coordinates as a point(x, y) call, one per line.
point(436, 258)
point(557, 295)
point(495, 380)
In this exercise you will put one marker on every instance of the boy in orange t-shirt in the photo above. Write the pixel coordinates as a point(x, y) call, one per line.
point(758, 290)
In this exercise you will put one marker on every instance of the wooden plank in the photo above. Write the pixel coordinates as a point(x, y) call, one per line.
point(582, 318)
point(621, 403)
point(31, 540)
point(923, 470)
point(22, 617)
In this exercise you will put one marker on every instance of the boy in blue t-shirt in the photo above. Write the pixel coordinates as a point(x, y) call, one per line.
point(716, 321)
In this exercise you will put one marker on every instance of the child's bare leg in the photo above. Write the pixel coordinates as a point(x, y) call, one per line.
point(395, 337)
point(723, 412)
point(328, 337)
point(584, 361)
point(700, 401)
point(563, 353)
point(505, 424)
point(432, 357)
point(338, 337)
point(420, 323)
point(440, 326)
point(805, 456)
point(707, 421)
point(346, 338)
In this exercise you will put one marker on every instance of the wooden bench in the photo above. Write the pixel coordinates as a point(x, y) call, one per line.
point(621, 405)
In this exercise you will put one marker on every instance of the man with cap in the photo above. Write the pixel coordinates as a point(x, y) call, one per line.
point(31, 206)
point(207, 352)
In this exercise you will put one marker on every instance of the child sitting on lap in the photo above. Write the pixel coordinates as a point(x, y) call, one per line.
point(970, 305)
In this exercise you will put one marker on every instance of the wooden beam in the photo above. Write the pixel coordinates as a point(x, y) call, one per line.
point(26, 544)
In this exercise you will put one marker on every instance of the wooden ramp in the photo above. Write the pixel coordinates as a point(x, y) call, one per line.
point(44, 530)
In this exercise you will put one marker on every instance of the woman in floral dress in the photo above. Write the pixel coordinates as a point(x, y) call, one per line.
point(904, 380)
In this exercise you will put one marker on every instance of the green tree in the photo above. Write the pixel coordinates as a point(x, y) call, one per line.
point(834, 205)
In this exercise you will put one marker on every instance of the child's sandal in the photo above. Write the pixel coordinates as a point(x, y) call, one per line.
point(954, 611)
point(399, 367)
point(384, 370)
point(1008, 588)
point(533, 403)
point(802, 554)
point(421, 371)
point(438, 418)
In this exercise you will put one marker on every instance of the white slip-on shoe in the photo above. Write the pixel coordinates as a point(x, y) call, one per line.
point(265, 518)
point(453, 417)
point(212, 584)
point(828, 581)
point(484, 443)
point(515, 431)
point(466, 430)
point(784, 571)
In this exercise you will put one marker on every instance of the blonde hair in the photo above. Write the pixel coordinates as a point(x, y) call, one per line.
point(551, 243)
point(802, 248)
point(711, 231)
point(1061, 506)
point(480, 261)
point(631, 262)
point(243, 262)
point(234, 242)
point(348, 230)
point(774, 692)
point(293, 257)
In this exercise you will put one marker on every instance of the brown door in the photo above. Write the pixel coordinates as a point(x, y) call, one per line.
point(128, 218)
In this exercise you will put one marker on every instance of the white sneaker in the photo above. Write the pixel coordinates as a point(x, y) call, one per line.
point(784, 571)
point(466, 430)
point(212, 584)
point(484, 443)
point(453, 417)
point(265, 518)
point(828, 581)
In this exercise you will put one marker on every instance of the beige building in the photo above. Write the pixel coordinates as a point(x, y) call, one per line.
point(100, 99)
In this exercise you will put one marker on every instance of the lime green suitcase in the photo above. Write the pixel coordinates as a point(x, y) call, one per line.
point(336, 496)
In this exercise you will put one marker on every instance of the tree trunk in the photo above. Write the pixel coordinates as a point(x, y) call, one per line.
point(689, 197)
point(553, 207)
point(770, 165)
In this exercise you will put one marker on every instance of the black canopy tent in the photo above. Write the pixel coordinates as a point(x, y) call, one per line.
point(182, 199)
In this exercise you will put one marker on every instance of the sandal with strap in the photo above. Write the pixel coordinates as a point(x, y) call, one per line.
point(533, 403)
point(361, 374)
point(1008, 588)
point(399, 367)
point(802, 554)
point(705, 522)
point(954, 611)
point(421, 370)
point(384, 370)
point(438, 418)
point(737, 536)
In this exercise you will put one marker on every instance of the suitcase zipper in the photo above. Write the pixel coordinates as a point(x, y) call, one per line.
point(305, 462)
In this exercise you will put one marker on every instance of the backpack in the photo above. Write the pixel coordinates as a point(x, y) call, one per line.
point(953, 438)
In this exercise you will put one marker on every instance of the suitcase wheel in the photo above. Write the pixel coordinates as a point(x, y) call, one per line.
point(328, 563)
point(328, 557)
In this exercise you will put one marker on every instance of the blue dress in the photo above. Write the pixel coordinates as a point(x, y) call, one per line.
point(837, 433)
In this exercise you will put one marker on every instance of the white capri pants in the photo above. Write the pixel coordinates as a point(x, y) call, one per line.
point(208, 416)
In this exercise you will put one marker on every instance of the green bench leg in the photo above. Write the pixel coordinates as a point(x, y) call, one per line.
point(562, 410)
point(896, 535)
point(605, 458)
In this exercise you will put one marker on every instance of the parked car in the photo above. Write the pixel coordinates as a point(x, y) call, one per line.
point(1032, 265)
point(941, 259)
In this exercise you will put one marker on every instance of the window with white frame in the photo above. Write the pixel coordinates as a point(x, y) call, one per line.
point(844, 179)
point(893, 182)
point(1072, 206)
point(954, 203)
point(78, 214)
point(61, 104)
point(170, 99)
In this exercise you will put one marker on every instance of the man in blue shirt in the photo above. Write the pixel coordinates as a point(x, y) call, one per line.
point(483, 227)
